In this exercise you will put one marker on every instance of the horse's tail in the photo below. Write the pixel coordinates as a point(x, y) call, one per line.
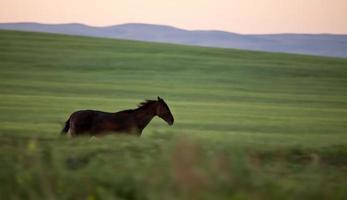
point(66, 127)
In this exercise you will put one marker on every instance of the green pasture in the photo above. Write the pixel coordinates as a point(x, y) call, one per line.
point(248, 125)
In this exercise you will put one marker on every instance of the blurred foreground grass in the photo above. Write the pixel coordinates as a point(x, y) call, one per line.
point(168, 167)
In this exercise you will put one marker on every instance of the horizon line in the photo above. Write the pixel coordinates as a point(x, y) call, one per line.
point(172, 26)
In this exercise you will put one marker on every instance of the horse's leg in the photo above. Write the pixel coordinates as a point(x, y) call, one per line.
point(74, 132)
point(95, 130)
point(72, 128)
point(76, 129)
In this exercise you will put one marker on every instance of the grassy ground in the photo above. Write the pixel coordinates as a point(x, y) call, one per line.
point(248, 125)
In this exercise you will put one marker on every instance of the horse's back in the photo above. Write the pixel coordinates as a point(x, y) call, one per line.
point(82, 114)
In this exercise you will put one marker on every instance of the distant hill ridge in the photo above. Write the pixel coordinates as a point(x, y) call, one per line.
point(311, 44)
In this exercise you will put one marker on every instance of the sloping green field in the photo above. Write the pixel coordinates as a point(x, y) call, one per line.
point(248, 125)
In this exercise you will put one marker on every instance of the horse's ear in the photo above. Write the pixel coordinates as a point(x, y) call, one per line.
point(159, 98)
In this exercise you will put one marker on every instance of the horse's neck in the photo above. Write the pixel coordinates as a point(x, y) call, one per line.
point(144, 116)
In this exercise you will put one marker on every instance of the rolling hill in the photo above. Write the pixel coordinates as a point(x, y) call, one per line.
point(313, 44)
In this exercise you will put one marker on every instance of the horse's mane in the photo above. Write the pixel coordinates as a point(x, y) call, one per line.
point(145, 103)
point(141, 105)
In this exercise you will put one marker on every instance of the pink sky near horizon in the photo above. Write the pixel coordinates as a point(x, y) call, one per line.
point(242, 16)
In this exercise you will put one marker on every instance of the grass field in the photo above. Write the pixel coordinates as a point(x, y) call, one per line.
point(248, 125)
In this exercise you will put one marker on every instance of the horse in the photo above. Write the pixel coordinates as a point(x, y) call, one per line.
point(132, 121)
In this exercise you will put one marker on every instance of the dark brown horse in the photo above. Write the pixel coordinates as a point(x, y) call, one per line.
point(96, 123)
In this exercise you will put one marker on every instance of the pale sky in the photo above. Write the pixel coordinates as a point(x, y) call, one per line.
point(242, 16)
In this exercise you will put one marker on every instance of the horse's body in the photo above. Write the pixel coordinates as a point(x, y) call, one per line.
point(96, 123)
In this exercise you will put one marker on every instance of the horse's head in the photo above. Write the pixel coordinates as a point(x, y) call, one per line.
point(164, 112)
